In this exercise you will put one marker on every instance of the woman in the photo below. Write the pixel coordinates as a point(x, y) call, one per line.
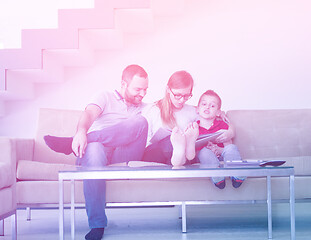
point(178, 119)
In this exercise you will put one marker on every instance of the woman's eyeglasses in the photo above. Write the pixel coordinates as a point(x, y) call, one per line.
point(179, 96)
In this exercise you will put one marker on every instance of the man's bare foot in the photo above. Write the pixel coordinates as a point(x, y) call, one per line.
point(178, 141)
point(191, 133)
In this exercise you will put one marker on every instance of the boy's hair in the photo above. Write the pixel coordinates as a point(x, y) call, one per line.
point(130, 71)
point(211, 93)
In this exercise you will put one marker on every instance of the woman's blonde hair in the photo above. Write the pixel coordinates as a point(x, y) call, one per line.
point(179, 79)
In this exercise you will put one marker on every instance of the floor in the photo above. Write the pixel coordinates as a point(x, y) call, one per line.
point(221, 222)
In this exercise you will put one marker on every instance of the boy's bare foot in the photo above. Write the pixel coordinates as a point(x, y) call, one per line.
point(178, 141)
point(191, 133)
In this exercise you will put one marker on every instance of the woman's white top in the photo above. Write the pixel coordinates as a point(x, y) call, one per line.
point(183, 117)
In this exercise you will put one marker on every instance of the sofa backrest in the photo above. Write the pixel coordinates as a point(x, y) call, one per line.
point(272, 133)
point(56, 122)
point(259, 133)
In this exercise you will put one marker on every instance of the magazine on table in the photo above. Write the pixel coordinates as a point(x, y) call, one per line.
point(255, 163)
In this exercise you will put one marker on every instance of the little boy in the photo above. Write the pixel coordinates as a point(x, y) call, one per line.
point(209, 122)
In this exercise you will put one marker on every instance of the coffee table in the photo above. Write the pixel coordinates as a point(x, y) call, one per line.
point(167, 172)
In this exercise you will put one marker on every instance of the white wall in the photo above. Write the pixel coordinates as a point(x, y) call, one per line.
point(255, 54)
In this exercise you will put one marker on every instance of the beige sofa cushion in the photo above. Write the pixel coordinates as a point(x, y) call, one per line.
point(31, 170)
point(55, 122)
point(274, 134)
point(24, 148)
point(38, 171)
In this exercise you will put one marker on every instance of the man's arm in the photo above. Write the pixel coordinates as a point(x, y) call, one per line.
point(86, 120)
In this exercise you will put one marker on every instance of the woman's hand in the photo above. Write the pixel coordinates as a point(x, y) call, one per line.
point(227, 135)
point(224, 117)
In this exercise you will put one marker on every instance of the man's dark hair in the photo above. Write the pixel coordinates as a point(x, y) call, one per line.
point(130, 71)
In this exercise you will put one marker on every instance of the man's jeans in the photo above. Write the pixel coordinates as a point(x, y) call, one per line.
point(122, 142)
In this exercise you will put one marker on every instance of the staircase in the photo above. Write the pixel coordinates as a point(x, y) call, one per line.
point(44, 53)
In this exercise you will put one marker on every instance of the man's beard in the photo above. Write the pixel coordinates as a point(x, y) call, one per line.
point(135, 100)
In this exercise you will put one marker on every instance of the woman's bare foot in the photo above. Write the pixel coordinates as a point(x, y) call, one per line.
point(178, 141)
point(191, 133)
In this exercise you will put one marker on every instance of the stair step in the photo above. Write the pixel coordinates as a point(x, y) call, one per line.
point(46, 52)
point(73, 57)
point(18, 90)
point(167, 8)
point(2, 108)
point(85, 18)
point(122, 3)
point(50, 38)
point(20, 58)
point(2, 79)
point(37, 75)
point(101, 38)
point(89, 41)
point(134, 20)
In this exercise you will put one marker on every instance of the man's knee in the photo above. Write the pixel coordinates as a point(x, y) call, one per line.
point(139, 123)
point(95, 155)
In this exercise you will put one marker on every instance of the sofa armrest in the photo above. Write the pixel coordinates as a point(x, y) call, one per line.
point(7, 161)
point(24, 148)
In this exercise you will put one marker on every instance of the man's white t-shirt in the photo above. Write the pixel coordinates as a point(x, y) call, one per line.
point(114, 110)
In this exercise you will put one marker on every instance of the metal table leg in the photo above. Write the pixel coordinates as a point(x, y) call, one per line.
point(269, 207)
point(183, 217)
point(61, 209)
point(14, 226)
point(292, 206)
point(72, 209)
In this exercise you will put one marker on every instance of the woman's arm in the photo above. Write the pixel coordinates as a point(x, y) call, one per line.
point(227, 135)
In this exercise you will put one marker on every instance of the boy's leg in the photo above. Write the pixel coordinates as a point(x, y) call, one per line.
point(95, 190)
point(208, 159)
point(230, 153)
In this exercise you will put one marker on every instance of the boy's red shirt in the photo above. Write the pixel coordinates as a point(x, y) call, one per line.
point(217, 125)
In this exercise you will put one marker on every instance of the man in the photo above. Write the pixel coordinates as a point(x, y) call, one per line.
point(110, 130)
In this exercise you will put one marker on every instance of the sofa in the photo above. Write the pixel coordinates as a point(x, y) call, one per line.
point(7, 184)
point(260, 134)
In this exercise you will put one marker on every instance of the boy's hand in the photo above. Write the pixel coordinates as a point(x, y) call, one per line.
point(226, 136)
point(214, 148)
